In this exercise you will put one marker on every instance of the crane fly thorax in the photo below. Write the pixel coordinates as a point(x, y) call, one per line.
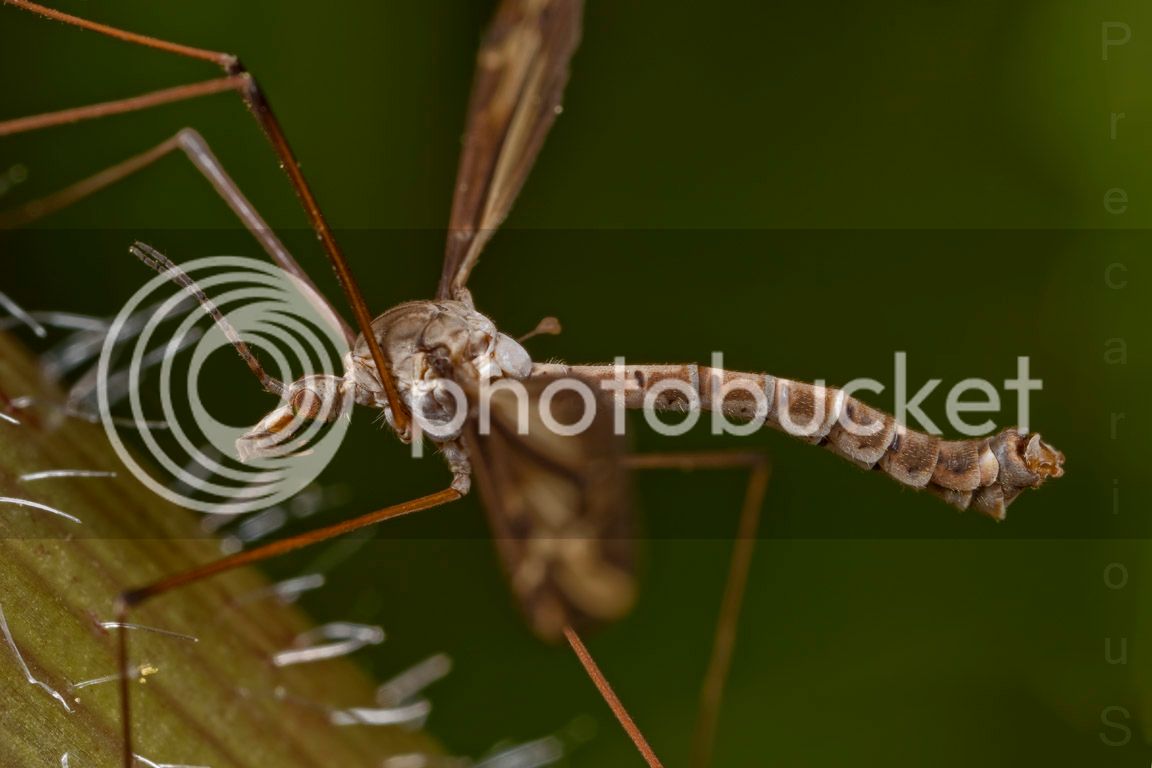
point(439, 352)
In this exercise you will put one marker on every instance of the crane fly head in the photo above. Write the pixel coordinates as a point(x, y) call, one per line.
point(438, 351)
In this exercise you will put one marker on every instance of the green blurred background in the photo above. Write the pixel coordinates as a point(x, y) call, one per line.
point(808, 190)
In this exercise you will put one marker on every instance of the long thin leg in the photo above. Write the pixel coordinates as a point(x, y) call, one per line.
point(260, 108)
point(610, 696)
point(120, 106)
point(136, 597)
point(724, 641)
point(196, 149)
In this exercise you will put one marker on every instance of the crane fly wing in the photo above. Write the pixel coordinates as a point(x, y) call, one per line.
point(521, 72)
point(560, 508)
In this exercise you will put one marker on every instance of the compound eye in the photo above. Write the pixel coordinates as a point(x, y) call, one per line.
point(512, 358)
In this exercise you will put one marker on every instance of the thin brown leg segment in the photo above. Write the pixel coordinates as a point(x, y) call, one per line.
point(611, 698)
point(260, 108)
point(196, 149)
point(120, 106)
point(724, 642)
point(136, 597)
point(223, 59)
point(193, 146)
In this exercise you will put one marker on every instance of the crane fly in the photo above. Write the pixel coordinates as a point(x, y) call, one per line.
point(559, 505)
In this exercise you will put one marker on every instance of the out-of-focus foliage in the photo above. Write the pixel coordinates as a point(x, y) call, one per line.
point(58, 582)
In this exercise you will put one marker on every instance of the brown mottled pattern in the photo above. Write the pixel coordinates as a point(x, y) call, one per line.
point(866, 444)
point(912, 458)
point(521, 72)
point(983, 474)
point(560, 510)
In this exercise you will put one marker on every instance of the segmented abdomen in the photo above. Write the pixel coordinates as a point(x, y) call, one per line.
point(984, 474)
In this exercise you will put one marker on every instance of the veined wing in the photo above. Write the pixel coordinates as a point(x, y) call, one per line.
point(521, 72)
point(560, 508)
